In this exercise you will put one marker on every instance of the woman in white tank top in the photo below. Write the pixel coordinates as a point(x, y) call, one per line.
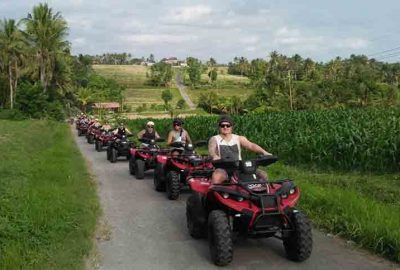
point(226, 146)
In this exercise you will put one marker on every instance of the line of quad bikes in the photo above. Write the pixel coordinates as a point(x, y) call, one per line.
point(248, 205)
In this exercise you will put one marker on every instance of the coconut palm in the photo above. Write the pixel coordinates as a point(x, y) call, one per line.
point(12, 47)
point(47, 33)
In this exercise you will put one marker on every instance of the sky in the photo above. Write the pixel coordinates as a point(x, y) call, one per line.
point(321, 30)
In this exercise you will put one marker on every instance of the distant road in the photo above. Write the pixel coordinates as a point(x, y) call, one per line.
point(182, 90)
point(149, 231)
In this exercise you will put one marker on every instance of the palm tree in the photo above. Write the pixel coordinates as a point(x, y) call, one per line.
point(47, 33)
point(84, 96)
point(12, 46)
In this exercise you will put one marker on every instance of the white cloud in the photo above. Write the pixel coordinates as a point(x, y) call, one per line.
point(188, 14)
point(352, 43)
point(249, 40)
point(151, 39)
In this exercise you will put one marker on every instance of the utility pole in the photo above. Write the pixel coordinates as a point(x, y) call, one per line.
point(290, 89)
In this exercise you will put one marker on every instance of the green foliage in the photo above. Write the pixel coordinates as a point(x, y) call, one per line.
point(358, 139)
point(48, 206)
point(213, 74)
point(160, 74)
point(194, 69)
point(181, 104)
point(166, 95)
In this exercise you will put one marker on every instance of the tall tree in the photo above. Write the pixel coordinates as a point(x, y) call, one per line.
point(47, 33)
point(194, 70)
point(12, 47)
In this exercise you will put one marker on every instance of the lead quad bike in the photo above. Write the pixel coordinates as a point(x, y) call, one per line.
point(247, 205)
point(104, 139)
point(143, 158)
point(172, 171)
point(119, 147)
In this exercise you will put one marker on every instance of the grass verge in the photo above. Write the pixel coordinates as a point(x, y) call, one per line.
point(48, 202)
point(363, 208)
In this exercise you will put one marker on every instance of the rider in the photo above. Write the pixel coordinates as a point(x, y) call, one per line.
point(148, 132)
point(226, 146)
point(121, 130)
point(178, 134)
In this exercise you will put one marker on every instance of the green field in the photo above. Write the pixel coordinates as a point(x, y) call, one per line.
point(226, 85)
point(129, 76)
point(133, 78)
point(48, 202)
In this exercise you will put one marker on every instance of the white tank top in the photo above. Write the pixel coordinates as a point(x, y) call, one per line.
point(229, 151)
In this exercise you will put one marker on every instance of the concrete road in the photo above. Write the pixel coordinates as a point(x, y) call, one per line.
point(149, 231)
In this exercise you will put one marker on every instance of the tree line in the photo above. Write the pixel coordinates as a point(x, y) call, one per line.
point(295, 83)
point(38, 75)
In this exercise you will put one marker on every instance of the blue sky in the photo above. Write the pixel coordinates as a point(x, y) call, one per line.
point(224, 29)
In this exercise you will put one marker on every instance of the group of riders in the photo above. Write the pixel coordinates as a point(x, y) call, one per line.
point(225, 146)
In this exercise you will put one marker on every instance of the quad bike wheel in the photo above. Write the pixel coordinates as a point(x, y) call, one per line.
point(159, 179)
point(298, 245)
point(220, 238)
point(114, 155)
point(173, 185)
point(108, 152)
point(196, 217)
point(132, 165)
point(90, 139)
point(98, 146)
point(139, 168)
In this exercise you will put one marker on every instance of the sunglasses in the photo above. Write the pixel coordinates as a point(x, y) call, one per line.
point(225, 126)
point(177, 124)
point(150, 126)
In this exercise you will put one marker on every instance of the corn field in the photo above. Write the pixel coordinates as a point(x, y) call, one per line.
point(358, 139)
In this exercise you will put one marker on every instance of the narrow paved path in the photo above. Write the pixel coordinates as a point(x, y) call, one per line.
point(149, 231)
point(182, 90)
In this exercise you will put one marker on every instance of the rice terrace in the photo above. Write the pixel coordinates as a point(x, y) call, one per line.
point(199, 135)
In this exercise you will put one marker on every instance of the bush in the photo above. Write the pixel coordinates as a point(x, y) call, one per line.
point(11, 115)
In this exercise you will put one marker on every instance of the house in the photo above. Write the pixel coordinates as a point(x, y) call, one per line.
point(147, 63)
point(170, 60)
point(106, 106)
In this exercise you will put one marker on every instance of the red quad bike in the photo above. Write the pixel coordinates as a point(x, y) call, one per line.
point(172, 171)
point(103, 139)
point(248, 206)
point(82, 128)
point(92, 132)
point(144, 158)
point(120, 146)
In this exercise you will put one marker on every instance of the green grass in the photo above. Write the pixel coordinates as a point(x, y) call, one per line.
point(148, 96)
point(48, 203)
point(362, 207)
point(226, 86)
point(129, 76)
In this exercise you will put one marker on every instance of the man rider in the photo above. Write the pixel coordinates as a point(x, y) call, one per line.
point(227, 146)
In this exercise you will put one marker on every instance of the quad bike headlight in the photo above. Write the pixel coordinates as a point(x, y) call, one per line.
point(284, 196)
point(292, 191)
point(225, 195)
point(239, 199)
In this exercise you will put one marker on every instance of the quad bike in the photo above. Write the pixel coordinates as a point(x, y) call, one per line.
point(248, 205)
point(144, 157)
point(172, 170)
point(103, 139)
point(119, 147)
point(82, 128)
point(91, 133)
